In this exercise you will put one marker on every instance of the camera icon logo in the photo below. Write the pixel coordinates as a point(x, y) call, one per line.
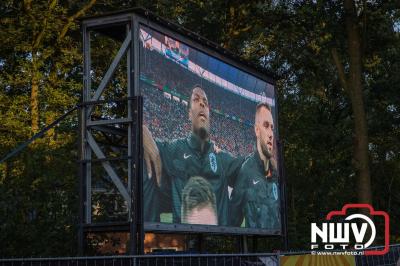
point(336, 235)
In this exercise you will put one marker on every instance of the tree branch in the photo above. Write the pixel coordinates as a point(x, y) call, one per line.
point(41, 34)
point(71, 19)
point(340, 69)
point(27, 5)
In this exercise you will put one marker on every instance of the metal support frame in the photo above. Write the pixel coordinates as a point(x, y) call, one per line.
point(129, 127)
point(89, 146)
point(284, 218)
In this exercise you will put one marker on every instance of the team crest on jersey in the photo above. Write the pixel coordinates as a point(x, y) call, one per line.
point(275, 191)
point(213, 162)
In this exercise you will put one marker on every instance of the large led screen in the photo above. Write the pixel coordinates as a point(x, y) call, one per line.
point(209, 138)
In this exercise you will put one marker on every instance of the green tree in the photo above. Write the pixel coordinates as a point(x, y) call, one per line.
point(338, 100)
point(40, 79)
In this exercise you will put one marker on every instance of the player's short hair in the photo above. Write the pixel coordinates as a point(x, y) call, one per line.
point(261, 105)
point(197, 193)
point(197, 86)
point(190, 97)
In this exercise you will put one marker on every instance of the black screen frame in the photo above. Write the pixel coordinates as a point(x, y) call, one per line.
point(198, 45)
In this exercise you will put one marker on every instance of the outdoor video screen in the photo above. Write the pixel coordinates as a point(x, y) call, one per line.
point(209, 138)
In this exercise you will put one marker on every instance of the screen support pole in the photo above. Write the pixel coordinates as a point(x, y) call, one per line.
point(201, 243)
point(283, 198)
point(136, 140)
point(136, 219)
point(244, 245)
point(255, 244)
point(84, 167)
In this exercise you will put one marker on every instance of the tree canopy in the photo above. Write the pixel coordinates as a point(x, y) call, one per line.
point(339, 105)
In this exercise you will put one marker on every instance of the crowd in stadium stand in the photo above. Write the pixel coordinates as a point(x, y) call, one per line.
point(167, 118)
point(167, 72)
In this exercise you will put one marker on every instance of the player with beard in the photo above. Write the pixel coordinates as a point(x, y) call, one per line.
point(174, 163)
point(255, 196)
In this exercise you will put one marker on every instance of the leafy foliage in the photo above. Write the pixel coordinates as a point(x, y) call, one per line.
point(40, 78)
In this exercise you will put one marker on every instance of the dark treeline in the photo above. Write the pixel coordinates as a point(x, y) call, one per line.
point(339, 106)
